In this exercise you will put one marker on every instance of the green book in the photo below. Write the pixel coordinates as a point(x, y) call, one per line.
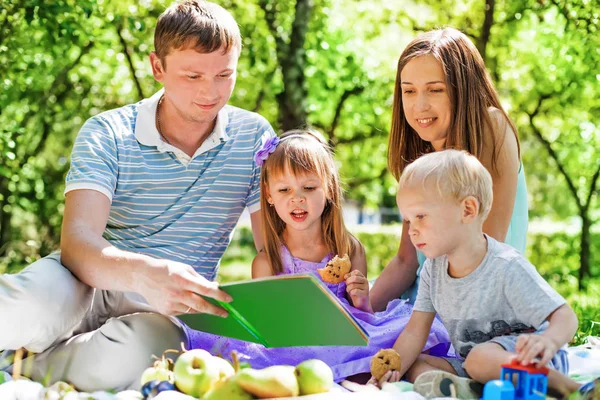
point(282, 311)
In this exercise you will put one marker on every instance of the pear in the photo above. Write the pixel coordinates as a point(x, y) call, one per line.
point(314, 376)
point(228, 389)
point(225, 368)
point(275, 381)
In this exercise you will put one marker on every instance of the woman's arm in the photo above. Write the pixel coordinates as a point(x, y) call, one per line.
point(397, 276)
point(504, 175)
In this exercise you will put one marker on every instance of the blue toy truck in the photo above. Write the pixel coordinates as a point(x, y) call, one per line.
point(529, 383)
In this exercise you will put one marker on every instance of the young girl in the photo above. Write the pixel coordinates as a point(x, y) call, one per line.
point(301, 200)
point(445, 98)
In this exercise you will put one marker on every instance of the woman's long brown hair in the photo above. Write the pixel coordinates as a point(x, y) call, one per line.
point(301, 152)
point(471, 93)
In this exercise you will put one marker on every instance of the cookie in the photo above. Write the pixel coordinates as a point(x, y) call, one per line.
point(384, 361)
point(335, 269)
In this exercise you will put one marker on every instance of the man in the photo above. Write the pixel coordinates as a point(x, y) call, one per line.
point(154, 191)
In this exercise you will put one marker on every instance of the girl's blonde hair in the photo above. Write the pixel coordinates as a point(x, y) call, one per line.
point(471, 93)
point(455, 174)
point(304, 152)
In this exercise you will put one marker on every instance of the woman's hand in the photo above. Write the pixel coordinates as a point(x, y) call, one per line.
point(357, 287)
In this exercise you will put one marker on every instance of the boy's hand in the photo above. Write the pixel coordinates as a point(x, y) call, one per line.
point(357, 287)
point(535, 349)
point(390, 376)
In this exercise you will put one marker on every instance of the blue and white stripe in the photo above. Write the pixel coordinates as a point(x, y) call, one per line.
point(164, 203)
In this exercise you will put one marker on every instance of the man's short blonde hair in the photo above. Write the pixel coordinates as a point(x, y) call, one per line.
point(454, 173)
point(196, 24)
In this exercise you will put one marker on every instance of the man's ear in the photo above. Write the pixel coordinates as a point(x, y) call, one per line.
point(470, 209)
point(158, 69)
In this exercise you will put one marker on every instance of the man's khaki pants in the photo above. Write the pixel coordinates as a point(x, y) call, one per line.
point(94, 339)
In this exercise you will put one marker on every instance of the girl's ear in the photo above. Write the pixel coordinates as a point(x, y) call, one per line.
point(268, 196)
point(470, 209)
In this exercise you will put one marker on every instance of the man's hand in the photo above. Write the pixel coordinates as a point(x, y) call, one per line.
point(357, 286)
point(535, 349)
point(173, 288)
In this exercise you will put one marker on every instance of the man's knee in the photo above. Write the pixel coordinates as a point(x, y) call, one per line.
point(130, 342)
point(41, 303)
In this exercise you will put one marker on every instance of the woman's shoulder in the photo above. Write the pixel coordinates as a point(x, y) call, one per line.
point(260, 265)
point(500, 142)
point(501, 125)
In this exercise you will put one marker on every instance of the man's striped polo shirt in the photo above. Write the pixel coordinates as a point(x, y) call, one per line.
point(164, 203)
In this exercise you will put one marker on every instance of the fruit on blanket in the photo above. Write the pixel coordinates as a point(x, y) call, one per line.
point(148, 386)
point(196, 372)
point(225, 368)
point(161, 370)
point(229, 389)
point(314, 376)
point(275, 381)
point(159, 388)
point(159, 374)
point(385, 360)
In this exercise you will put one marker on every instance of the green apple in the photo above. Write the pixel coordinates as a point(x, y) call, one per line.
point(196, 372)
point(314, 376)
point(157, 373)
point(225, 368)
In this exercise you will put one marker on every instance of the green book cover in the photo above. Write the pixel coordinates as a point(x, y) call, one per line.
point(282, 311)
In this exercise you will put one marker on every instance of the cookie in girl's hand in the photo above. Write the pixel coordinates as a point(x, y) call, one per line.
point(336, 269)
point(385, 360)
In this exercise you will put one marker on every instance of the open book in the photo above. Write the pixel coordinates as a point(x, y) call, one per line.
point(282, 311)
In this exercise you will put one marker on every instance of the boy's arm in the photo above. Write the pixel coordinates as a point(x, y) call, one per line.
point(261, 266)
point(561, 329)
point(411, 341)
point(398, 275)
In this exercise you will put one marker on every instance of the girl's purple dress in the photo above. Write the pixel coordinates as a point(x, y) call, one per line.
point(383, 328)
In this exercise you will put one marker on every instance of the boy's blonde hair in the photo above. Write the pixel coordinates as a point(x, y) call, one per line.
point(455, 174)
point(197, 24)
point(304, 152)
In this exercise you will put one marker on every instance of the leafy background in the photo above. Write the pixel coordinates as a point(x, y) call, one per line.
point(330, 64)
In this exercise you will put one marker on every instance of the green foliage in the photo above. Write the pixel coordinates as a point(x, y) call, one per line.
point(64, 61)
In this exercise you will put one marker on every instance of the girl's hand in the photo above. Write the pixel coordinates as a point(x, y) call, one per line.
point(389, 377)
point(535, 349)
point(357, 286)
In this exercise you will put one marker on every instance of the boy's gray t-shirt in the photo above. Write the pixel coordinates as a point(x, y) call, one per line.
point(504, 295)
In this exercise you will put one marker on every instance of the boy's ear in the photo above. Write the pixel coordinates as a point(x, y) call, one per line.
point(470, 209)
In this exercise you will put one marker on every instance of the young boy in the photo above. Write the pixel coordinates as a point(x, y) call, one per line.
point(493, 302)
